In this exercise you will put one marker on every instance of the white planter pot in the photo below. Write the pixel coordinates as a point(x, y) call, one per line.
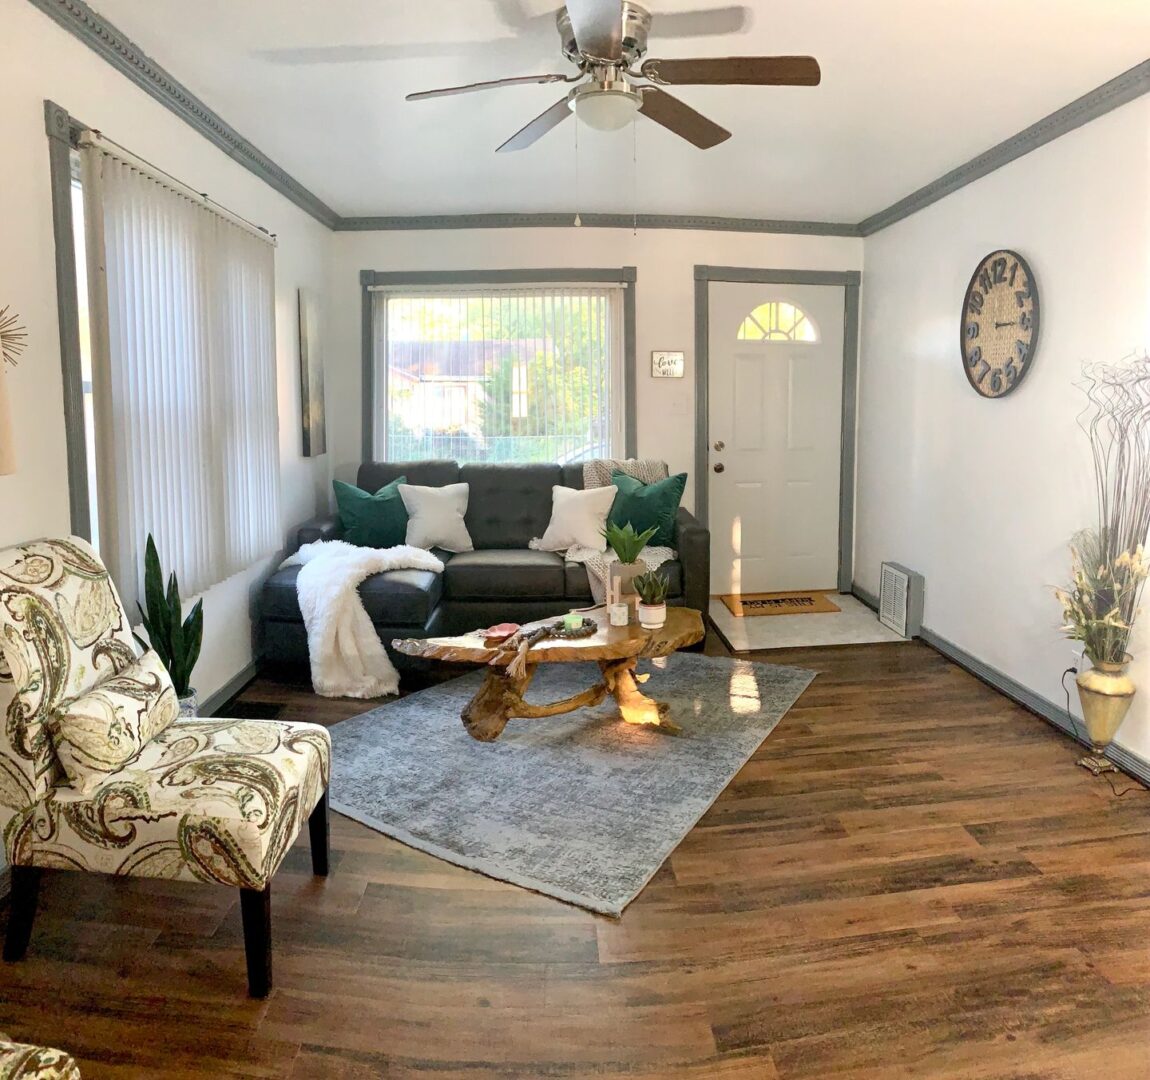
point(652, 616)
point(189, 705)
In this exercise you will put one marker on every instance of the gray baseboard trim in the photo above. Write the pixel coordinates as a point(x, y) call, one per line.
point(1129, 763)
point(216, 701)
point(130, 60)
point(566, 220)
point(1102, 99)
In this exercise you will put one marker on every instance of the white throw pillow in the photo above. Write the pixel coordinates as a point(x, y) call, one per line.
point(435, 516)
point(578, 518)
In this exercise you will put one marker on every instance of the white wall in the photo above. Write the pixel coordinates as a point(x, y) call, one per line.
point(42, 61)
point(664, 305)
point(982, 496)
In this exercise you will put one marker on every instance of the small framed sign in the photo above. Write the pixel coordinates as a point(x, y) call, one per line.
point(667, 365)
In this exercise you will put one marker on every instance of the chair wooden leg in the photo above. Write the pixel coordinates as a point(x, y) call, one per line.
point(256, 908)
point(21, 910)
point(320, 837)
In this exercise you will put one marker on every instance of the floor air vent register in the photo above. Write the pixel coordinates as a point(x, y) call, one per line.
point(900, 599)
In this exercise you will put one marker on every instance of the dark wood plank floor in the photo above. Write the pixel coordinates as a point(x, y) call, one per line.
point(910, 878)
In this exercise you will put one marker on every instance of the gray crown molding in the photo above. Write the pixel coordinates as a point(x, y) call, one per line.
point(129, 59)
point(100, 35)
point(594, 221)
point(1110, 95)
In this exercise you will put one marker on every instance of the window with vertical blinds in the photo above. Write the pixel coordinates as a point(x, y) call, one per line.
point(182, 310)
point(530, 373)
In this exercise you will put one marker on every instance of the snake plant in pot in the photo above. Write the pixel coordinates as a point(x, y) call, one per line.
point(175, 639)
point(652, 589)
point(627, 544)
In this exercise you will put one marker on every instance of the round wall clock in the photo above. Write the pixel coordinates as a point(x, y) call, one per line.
point(999, 329)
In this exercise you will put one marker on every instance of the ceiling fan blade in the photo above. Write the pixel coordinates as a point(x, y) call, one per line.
point(538, 127)
point(736, 71)
point(688, 24)
point(684, 121)
point(598, 27)
point(518, 80)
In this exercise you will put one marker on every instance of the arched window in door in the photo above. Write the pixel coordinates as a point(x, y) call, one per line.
point(777, 320)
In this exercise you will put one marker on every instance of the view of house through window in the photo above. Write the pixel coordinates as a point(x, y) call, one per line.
point(525, 374)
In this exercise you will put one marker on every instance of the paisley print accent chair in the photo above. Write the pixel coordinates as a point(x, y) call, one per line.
point(208, 800)
point(22, 1061)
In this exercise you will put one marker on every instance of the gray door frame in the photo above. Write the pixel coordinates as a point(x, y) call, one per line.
point(850, 280)
point(626, 275)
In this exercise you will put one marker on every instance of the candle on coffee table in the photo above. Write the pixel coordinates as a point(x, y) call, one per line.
point(572, 620)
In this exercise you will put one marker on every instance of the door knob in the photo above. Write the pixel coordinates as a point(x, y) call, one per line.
point(719, 467)
point(720, 445)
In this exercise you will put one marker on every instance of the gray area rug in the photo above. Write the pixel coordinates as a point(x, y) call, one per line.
point(581, 807)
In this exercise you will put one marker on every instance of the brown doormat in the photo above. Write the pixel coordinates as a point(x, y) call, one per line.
point(779, 603)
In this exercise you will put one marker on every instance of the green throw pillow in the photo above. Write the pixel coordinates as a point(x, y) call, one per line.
point(376, 521)
point(647, 505)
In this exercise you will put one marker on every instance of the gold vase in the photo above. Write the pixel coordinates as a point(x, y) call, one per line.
point(1106, 692)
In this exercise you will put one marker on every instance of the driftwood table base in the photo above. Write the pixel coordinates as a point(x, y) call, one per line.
point(500, 699)
point(615, 649)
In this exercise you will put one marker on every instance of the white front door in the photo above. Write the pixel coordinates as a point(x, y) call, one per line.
point(775, 385)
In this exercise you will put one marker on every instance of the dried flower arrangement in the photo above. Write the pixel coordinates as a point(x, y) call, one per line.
point(13, 337)
point(1110, 566)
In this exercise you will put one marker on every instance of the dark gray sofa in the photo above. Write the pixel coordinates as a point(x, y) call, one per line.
point(502, 580)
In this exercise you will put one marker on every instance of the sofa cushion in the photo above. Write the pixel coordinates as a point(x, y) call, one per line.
point(397, 598)
point(510, 505)
point(375, 521)
point(576, 584)
point(498, 574)
point(646, 506)
point(101, 731)
point(373, 475)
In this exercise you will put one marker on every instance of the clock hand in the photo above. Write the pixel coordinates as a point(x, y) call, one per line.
point(1000, 325)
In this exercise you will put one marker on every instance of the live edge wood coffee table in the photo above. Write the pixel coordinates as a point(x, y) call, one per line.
point(617, 649)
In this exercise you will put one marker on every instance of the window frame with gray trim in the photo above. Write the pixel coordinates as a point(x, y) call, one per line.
point(374, 281)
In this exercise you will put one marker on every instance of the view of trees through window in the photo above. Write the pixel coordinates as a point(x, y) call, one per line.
point(527, 374)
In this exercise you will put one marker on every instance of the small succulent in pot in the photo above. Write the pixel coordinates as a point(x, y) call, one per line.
point(652, 589)
point(627, 544)
point(175, 639)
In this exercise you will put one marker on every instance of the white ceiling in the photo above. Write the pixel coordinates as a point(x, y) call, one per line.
point(909, 91)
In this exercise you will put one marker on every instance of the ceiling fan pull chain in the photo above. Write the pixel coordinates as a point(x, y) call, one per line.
point(635, 175)
point(578, 219)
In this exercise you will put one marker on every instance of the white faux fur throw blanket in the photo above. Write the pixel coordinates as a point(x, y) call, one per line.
point(347, 657)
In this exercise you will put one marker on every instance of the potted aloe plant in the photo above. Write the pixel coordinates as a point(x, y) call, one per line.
point(627, 544)
point(652, 589)
point(176, 640)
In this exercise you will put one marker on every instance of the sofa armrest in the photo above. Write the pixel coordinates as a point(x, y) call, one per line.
point(324, 527)
point(693, 542)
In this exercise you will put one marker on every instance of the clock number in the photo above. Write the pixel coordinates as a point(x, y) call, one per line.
point(981, 370)
point(999, 269)
point(976, 303)
point(972, 329)
point(1020, 348)
point(1013, 271)
point(1026, 320)
point(975, 357)
point(996, 382)
point(1010, 371)
point(1022, 295)
point(985, 281)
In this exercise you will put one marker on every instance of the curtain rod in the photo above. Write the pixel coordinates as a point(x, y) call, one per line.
point(480, 289)
point(91, 137)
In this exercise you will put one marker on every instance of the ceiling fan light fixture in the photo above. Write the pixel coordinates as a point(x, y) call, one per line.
point(605, 109)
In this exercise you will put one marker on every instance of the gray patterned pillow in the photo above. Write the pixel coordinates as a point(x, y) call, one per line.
point(101, 731)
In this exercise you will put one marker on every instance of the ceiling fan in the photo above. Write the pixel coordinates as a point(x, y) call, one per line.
point(606, 41)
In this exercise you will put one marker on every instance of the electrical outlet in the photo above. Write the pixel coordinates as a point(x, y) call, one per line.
point(1076, 654)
